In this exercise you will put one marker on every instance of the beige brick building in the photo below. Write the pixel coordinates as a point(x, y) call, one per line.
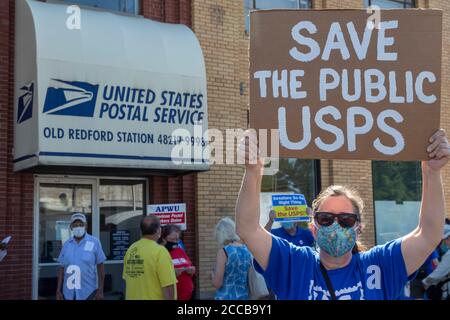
point(220, 28)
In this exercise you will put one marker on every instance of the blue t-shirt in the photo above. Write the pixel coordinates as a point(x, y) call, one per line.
point(293, 273)
point(303, 237)
point(80, 261)
point(428, 264)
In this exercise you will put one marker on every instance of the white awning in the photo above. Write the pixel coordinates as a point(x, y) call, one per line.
point(110, 93)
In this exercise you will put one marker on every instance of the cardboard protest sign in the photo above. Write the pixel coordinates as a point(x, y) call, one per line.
point(289, 207)
point(171, 213)
point(338, 84)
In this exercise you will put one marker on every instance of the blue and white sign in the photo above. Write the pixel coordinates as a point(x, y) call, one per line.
point(67, 98)
point(290, 207)
point(288, 200)
point(25, 103)
point(120, 92)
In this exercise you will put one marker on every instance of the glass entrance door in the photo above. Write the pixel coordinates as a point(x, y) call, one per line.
point(121, 207)
point(57, 201)
point(113, 207)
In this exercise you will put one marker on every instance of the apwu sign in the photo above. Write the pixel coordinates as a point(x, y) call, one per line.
point(84, 106)
point(172, 213)
point(339, 85)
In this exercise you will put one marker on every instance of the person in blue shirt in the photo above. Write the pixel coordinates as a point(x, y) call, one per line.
point(81, 260)
point(334, 272)
point(291, 232)
point(415, 289)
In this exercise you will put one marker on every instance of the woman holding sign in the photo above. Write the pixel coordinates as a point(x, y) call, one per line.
point(300, 273)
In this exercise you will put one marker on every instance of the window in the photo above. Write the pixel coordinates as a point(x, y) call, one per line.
point(391, 3)
point(122, 205)
point(57, 202)
point(113, 207)
point(129, 6)
point(397, 189)
point(294, 176)
point(272, 4)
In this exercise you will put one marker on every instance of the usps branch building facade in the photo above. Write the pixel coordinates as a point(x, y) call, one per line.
point(91, 109)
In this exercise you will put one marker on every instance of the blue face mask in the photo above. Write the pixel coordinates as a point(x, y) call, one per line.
point(336, 240)
point(287, 225)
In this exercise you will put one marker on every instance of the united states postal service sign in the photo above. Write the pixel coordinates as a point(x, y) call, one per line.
point(119, 91)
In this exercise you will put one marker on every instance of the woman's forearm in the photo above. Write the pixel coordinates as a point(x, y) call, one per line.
point(247, 207)
point(432, 213)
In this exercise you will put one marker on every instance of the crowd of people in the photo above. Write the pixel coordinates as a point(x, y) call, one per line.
point(156, 267)
point(324, 261)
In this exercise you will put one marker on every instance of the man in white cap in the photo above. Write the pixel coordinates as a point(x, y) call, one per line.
point(81, 261)
point(441, 275)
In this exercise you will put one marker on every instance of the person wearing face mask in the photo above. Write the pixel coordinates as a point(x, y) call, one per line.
point(291, 232)
point(440, 277)
point(184, 269)
point(81, 261)
point(334, 272)
point(147, 266)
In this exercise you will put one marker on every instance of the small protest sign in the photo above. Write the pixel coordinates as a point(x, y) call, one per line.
point(289, 207)
point(171, 213)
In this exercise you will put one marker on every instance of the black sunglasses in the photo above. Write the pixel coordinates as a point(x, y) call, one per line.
point(346, 220)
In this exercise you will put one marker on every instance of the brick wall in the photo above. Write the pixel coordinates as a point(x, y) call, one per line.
point(219, 26)
point(182, 188)
point(16, 190)
point(178, 190)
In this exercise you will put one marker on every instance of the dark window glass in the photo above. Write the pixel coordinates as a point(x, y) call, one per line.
point(57, 203)
point(294, 176)
point(272, 4)
point(397, 189)
point(391, 3)
point(122, 205)
point(129, 6)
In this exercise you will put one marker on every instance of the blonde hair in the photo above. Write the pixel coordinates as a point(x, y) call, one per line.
point(336, 191)
point(225, 231)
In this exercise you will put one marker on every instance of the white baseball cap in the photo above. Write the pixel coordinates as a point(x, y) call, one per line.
point(78, 216)
point(446, 231)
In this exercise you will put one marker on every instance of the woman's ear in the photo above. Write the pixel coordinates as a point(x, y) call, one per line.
point(313, 229)
point(358, 230)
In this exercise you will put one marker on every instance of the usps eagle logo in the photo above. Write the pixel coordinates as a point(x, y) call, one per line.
point(71, 98)
point(25, 104)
